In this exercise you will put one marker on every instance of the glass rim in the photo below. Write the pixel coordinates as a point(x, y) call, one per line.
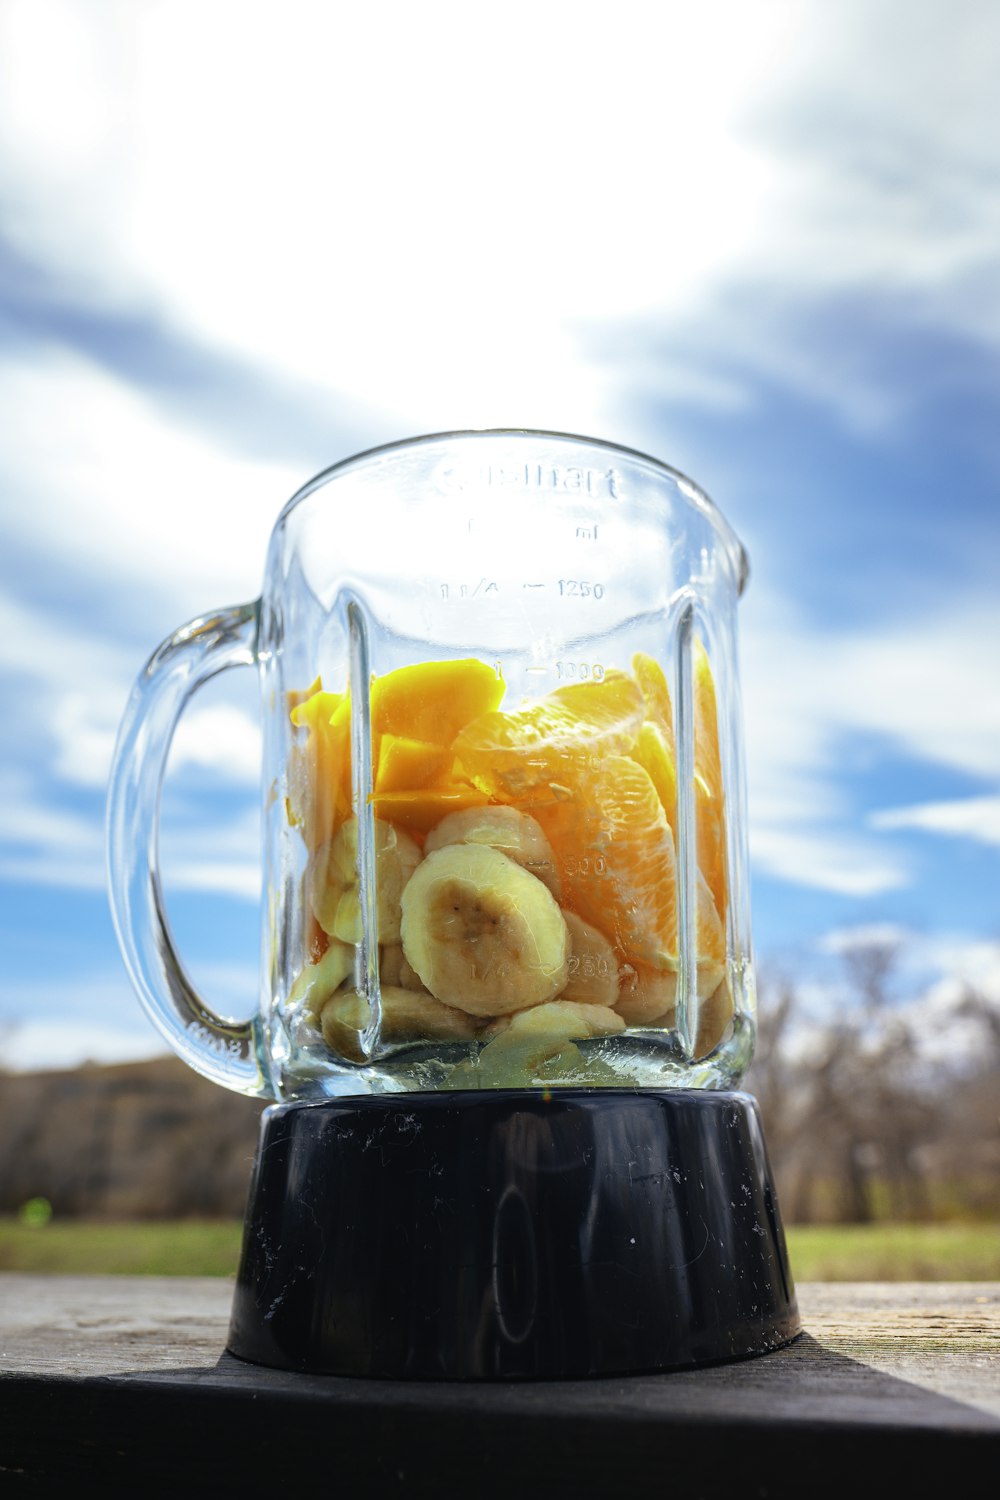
point(685, 483)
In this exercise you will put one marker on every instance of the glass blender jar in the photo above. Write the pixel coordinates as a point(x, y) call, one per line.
point(507, 991)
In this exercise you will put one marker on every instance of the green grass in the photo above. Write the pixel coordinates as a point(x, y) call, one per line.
point(894, 1252)
point(881, 1252)
point(80, 1247)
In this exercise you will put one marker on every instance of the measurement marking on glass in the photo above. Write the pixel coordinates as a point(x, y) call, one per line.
point(580, 670)
point(469, 591)
point(580, 588)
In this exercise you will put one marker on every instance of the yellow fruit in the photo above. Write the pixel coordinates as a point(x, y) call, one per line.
point(319, 770)
point(406, 1017)
point(509, 755)
point(406, 765)
point(656, 695)
point(514, 833)
point(433, 700)
point(420, 811)
point(654, 754)
point(592, 965)
point(482, 933)
point(710, 815)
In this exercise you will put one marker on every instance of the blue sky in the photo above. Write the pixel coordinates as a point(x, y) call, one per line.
point(239, 243)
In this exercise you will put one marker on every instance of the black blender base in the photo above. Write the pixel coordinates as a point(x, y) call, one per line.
point(504, 1234)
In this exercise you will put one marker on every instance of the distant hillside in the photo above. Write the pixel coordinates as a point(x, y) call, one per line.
point(133, 1140)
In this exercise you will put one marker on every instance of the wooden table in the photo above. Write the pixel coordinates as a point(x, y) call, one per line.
point(126, 1380)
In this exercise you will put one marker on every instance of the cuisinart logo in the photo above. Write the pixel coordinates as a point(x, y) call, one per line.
point(456, 479)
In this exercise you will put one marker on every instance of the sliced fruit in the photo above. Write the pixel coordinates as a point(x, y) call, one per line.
point(332, 880)
point(714, 1016)
point(317, 941)
point(514, 833)
point(317, 981)
point(433, 700)
point(649, 998)
point(319, 770)
point(615, 854)
point(655, 693)
point(482, 933)
point(390, 962)
point(405, 1017)
point(533, 1037)
point(508, 755)
point(709, 804)
point(706, 722)
point(421, 810)
point(592, 965)
point(653, 753)
point(406, 765)
point(394, 969)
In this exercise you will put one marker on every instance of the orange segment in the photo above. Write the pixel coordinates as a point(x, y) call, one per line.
point(710, 812)
point(433, 700)
point(319, 771)
point(706, 723)
point(656, 695)
point(509, 754)
point(656, 758)
point(615, 854)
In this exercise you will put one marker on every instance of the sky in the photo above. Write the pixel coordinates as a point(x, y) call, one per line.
point(240, 242)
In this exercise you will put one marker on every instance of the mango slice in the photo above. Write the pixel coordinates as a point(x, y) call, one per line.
point(433, 700)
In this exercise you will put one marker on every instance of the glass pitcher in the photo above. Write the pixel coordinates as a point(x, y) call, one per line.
point(506, 982)
point(504, 833)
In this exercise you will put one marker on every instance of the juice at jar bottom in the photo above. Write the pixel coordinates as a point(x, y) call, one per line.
point(522, 876)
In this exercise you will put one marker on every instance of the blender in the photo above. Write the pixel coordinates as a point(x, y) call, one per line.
point(507, 990)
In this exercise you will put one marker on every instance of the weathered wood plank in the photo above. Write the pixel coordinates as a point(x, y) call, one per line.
point(128, 1377)
point(943, 1336)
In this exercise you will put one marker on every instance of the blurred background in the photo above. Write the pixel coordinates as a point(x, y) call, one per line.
point(240, 242)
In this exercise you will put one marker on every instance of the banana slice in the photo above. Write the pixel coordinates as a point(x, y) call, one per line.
point(390, 963)
point(521, 1043)
point(393, 969)
point(592, 965)
point(405, 1017)
point(649, 998)
point(482, 933)
point(332, 879)
point(514, 833)
point(317, 982)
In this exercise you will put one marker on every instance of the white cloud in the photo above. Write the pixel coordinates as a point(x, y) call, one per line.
point(864, 935)
point(53, 656)
point(928, 688)
point(221, 738)
point(826, 860)
point(429, 220)
point(114, 487)
point(424, 225)
point(225, 877)
point(44, 844)
point(40, 1045)
point(968, 817)
point(439, 230)
point(45, 1023)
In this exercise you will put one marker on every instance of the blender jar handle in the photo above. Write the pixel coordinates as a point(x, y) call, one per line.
point(229, 1052)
